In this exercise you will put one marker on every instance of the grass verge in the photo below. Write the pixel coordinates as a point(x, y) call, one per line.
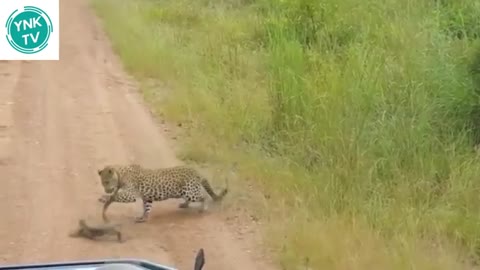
point(356, 118)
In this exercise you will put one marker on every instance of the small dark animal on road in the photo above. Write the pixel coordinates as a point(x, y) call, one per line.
point(93, 232)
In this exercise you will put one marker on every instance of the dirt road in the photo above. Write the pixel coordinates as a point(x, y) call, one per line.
point(60, 122)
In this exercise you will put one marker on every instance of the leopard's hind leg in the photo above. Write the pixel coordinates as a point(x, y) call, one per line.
point(191, 194)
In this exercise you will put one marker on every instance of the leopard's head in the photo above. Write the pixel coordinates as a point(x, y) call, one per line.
point(109, 178)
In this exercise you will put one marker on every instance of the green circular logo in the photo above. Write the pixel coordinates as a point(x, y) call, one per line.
point(28, 30)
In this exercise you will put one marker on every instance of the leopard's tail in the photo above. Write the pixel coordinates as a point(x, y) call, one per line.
point(208, 187)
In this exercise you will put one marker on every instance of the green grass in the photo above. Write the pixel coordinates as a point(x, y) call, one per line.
point(357, 119)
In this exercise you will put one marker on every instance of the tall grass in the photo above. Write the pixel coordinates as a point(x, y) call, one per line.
point(358, 118)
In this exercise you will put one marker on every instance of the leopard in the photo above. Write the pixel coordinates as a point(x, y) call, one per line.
point(128, 182)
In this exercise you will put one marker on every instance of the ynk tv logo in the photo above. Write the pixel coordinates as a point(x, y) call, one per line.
point(31, 31)
point(28, 30)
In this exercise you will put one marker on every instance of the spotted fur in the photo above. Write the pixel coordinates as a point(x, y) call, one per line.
point(128, 182)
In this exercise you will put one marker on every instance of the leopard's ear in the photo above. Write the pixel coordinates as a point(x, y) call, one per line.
point(110, 171)
point(99, 172)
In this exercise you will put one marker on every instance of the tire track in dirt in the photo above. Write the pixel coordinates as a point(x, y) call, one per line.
point(60, 122)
